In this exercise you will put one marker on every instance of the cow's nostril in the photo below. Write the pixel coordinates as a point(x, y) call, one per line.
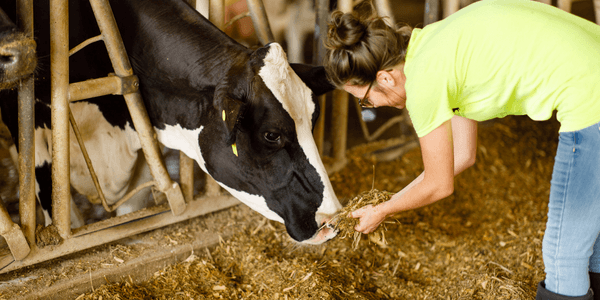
point(7, 59)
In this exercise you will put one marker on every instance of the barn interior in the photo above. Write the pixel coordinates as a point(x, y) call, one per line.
point(482, 242)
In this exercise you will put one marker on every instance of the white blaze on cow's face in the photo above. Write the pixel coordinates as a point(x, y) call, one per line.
point(186, 140)
point(296, 99)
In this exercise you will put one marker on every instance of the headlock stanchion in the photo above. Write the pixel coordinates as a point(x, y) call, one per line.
point(26, 137)
point(125, 83)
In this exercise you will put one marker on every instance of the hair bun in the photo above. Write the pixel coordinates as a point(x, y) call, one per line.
point(345, 30)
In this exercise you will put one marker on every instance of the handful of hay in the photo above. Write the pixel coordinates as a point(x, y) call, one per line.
point(345, 223)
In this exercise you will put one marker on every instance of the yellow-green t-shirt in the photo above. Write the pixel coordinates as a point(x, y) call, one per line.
point(504, 57)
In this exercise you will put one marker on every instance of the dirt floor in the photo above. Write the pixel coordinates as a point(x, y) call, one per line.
point(483, 242)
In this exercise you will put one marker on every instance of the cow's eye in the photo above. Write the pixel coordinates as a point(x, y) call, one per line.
point(272, 137)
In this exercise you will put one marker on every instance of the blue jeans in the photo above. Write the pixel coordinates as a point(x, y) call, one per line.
point(571, 244)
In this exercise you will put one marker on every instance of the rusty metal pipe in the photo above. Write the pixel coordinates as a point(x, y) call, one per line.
point(432, 11)
point(111, 85)
point(322, 17)
point(59, 82)
point(385, 10)
point(345, 6)
point(260, 21)
point(17, 243)
point(339, 122)
point(26, 149)
point(139, 115)
point(216, 13)
point(94, 88)
point(186, 176)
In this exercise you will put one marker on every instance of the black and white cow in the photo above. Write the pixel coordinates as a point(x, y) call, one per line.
point(244, 116)
point(17, 53)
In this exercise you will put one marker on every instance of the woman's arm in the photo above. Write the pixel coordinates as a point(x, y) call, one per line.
point(441, 162)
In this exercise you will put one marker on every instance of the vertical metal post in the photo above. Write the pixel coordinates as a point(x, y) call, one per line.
point(450, 7)
point(432, 11)
point(59, 82)
point(322, 17)
point(217, 17)
point(216, 13)
point(564, 5)
point(186, 176)
point(260, 21)
point(597, 9)
point(17, 243)
point(339, 129)
point(339, 117)
point(385, 10)
point(26, 134)
point(139, 115)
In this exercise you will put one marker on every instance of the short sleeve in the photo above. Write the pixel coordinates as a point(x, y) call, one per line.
point(428, 102)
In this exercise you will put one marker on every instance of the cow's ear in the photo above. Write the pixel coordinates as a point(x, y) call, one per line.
point(314, 77)
point(231, 112)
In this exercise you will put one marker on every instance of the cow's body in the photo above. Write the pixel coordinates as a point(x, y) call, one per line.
point(17, 53)
point(245, 117)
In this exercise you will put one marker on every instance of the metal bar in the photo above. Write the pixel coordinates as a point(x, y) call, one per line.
point(564, 5)
point(450, 7)
point(59, 81)
point(139, 115)
point(432, 11)
point(216, 13)
point(186, 176)
point(94, 88)
point(84, 44)
point(319, 130)
point(385, 10)
point(260, 21)
point(321, 19)
point(111, 85)
point(17, 243)
point(339, 122)
point(345, 6)
point(597, 10)
point(26, 149)
point(130, 224)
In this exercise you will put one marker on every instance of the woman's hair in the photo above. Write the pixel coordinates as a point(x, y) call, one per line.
point(358, 46)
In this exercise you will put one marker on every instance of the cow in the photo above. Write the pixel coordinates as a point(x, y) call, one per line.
point(17, 53)
point(245, 116)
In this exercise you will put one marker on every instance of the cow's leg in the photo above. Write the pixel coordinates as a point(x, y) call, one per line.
point(43, 187)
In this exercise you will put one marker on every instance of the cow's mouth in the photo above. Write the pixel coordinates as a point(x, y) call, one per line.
point(325, 233)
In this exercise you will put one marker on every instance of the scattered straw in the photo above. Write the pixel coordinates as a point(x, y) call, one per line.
point(345, 223)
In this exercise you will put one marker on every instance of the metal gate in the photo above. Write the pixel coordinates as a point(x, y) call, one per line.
point(182, 203)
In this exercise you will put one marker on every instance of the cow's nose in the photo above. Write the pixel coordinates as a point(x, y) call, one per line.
point(9, 56)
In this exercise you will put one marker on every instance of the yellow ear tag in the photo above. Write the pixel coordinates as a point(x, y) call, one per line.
point(223, 115)
point(234, 147)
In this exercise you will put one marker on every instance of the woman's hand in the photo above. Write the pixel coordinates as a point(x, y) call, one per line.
point(370, 217)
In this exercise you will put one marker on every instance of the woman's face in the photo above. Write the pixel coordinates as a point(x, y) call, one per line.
point(388, 90)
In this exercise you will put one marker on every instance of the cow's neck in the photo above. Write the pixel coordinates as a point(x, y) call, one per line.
point(192, 50)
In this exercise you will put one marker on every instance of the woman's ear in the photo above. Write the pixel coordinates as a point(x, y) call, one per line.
point(386, 78)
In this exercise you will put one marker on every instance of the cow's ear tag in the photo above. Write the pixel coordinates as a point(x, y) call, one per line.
point(234, 147)
point(231, 111)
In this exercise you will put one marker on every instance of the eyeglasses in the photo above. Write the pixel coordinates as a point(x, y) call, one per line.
point(365, 102)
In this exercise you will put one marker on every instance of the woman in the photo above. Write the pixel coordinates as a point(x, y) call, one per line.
point(491, 59)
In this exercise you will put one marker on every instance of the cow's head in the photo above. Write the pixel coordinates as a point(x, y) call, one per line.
point(17, 53)
point(262, 149)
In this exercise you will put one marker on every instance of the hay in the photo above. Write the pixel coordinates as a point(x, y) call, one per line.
point(483, 242)
point(345, 223)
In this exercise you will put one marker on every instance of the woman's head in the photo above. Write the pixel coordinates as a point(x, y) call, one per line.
point(359, 46)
